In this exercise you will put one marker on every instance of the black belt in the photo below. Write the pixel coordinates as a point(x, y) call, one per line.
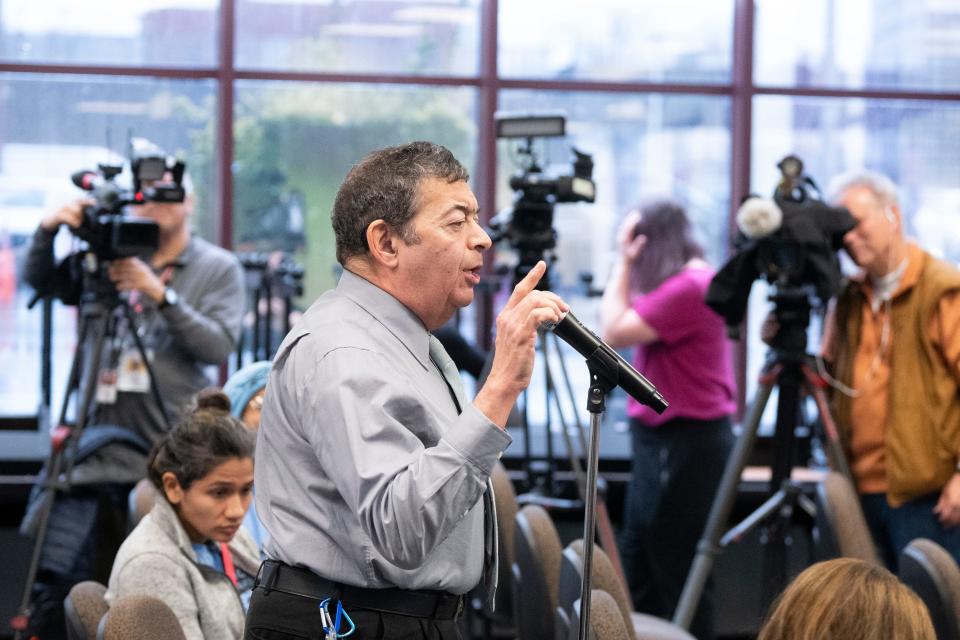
point(277, 576)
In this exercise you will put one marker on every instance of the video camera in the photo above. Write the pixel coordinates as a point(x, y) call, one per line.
point(790, 240)
point(105, 227)
point(528, 225)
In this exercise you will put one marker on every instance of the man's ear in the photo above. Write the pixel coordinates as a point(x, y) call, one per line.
point(383, 243)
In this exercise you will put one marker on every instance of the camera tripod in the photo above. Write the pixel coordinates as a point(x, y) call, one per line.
point(99, 318)
point(788, 368)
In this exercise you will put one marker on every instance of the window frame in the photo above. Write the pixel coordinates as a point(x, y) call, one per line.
point(741, 90)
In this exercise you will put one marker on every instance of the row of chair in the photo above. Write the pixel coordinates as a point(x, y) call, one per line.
point(134, 617)
point(549, 578)
point(540, 581)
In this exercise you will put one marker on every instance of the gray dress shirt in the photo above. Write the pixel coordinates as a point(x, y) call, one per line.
point(366, 474)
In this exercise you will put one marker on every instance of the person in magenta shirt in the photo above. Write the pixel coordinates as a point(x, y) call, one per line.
point(654, 302)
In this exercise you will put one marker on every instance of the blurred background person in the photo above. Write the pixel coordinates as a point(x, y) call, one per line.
point(654, 302)
point(893, 340)
point(190, 551)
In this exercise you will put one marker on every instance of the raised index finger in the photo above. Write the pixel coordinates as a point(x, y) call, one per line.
point(528, 284)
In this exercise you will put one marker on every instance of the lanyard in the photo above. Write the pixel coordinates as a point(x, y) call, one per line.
point(228, 567)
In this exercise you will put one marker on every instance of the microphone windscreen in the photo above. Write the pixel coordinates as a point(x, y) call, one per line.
point(85, 179)
point(759, 217)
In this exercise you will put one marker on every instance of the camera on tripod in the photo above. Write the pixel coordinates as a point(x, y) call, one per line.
point(791, 240)
point(528, 226)
point(106, 228)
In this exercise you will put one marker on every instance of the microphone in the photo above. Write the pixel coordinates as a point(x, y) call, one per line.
point(86, 179)
point(759, 217)
point(587, 344)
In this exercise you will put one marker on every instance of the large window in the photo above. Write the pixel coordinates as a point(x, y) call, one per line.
point(425, 37)
point(662, 95)
point(627, 40)
point(876, 44)
point(295, 143)
point(142, 33)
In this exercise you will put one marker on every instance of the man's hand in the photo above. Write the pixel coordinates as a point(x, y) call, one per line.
point(517, 326)
point(133, 274)
point(70, 214)
point(948, 506)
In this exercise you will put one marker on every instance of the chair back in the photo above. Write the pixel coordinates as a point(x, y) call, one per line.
point(140, 502)
point(841, 526)
point(505, 498)
point(83, 608)
point(604, 577)
point(932, 573)
point(606, 623)
point(140, 617)
point(538, 550)
point(639, 626)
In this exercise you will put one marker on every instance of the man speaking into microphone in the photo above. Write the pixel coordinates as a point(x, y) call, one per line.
point(372, 465)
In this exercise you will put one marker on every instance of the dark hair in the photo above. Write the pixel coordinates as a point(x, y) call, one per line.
point(385, 185)
point(670, 244)
point(207, 437)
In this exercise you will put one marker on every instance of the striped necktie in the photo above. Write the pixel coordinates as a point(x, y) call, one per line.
point(455, 384)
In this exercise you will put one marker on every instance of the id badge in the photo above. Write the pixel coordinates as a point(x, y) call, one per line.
point(107, 386)
point(133, 375)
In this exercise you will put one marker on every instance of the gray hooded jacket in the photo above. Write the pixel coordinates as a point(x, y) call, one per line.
point(158, 560)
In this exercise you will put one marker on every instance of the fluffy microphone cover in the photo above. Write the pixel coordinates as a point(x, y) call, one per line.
point(759, 217)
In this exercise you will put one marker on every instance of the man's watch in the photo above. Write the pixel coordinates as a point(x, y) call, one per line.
point(169, 299)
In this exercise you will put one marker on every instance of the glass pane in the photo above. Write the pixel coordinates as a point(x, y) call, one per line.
point(643, 146)
point(419, 37)
point(296, 142)
point(895, 44)
point(903, 139)
point(682, 41)
point(52, 127)
point(133, 32)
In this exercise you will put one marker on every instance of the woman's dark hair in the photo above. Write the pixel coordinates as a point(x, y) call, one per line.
point(670, 244)
point(205, 438)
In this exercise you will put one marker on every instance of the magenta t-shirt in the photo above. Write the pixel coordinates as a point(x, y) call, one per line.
point(691, 364)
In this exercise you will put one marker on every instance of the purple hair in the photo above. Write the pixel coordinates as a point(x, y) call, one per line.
point(670, 244)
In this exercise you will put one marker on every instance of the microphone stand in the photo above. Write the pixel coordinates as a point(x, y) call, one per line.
point(604, 372)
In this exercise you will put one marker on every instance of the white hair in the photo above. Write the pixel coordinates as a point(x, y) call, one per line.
point(882, 187)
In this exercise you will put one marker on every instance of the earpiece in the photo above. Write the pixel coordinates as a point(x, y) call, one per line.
point(888, 214)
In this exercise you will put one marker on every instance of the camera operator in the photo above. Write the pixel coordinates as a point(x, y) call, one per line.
point(187, 300)
point(894, 343)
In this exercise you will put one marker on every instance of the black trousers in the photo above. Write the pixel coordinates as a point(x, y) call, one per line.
point(676, 470)
point(275, 615)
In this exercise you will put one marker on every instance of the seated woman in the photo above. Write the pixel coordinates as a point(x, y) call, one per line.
point(246, 388)
point(190, 550)
point(847, 599)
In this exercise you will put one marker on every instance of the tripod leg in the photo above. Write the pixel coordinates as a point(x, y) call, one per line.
point(85, 403)
point(548, 390)
point(707, 548)
point(581, 430)
point(604, 526)
point(835, 453)
point(60, 449)
point(735, 534)
point(154, 389)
